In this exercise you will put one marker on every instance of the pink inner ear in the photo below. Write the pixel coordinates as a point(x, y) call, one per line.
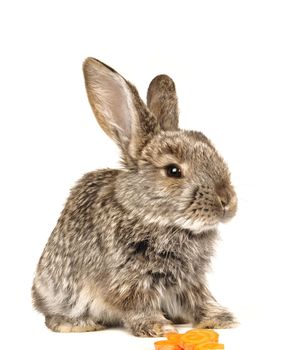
point(113, 100)
point(118, 108)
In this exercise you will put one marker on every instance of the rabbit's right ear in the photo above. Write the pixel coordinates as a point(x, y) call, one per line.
point(162, 101)
point(118, 108)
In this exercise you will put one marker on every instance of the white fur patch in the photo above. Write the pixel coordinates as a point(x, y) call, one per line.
point(82, 301)
point(46, 291)
point(100, 311)
point(196, 226)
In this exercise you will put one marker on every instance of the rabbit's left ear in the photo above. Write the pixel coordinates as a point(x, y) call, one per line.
point(118, 108)
point(163, 103)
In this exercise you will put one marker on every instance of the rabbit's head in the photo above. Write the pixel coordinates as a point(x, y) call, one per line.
point(174, 177)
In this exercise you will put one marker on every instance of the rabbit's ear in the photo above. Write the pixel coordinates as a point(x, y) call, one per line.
point(118, 108)
point(162, 101)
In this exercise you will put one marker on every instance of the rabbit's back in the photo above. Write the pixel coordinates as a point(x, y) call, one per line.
point(77, 246)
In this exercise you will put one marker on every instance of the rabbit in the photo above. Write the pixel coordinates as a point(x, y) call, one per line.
point(132, 246)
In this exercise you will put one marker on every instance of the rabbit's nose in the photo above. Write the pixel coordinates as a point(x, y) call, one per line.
point(223, 196)
point(227, 199)
point(224, 205)
point(225, 202)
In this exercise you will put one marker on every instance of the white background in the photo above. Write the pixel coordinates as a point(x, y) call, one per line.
point(227, 59)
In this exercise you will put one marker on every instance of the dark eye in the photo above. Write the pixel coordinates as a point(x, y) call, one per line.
point(173, 170)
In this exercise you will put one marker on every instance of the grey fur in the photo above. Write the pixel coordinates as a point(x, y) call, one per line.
point(132, 246)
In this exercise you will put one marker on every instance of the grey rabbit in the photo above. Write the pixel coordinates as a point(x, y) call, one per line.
point(132, 245)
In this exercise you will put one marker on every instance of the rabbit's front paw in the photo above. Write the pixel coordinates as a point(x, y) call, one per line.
point(224, 319)
point(153, 329)
point(64, 324)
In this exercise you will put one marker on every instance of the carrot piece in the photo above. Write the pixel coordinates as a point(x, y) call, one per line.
point(209, 346)
point(188, 346)
point(198, 336)
point(167, 345)
point(173, 336)
point(209, 332)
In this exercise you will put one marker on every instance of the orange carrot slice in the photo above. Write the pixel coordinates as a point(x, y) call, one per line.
point(173, 336)
point(167, 345)
point(198, 336)
point(209, 346)
point(188, 346)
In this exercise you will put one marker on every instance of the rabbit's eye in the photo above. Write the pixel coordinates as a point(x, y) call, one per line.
point(173, 170)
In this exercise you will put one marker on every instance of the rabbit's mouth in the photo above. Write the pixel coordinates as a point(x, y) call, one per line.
point(203, 207)
point(229, 211)
point(207, 217)
point(227, 201)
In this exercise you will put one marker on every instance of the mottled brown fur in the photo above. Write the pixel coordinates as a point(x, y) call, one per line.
point(132, 245)
point(162, 101)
